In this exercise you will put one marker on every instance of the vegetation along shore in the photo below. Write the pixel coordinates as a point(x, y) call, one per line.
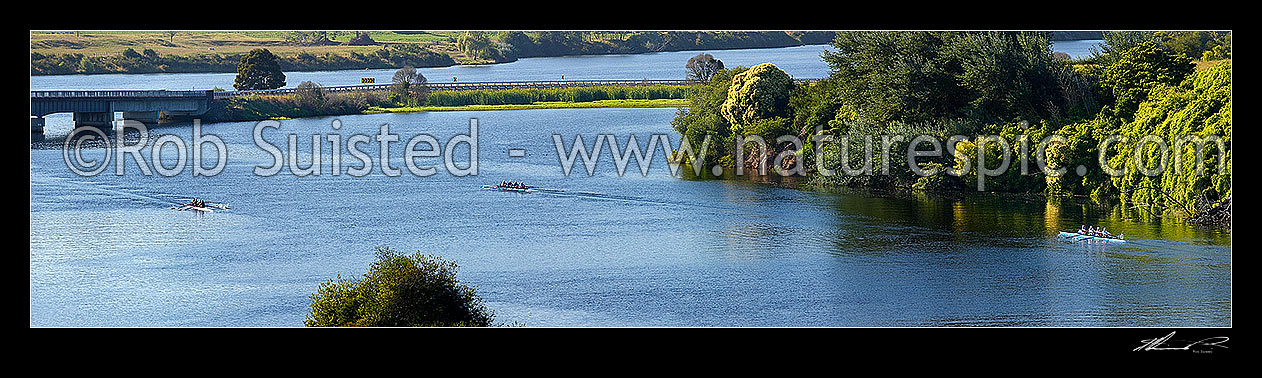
point(1132, 103)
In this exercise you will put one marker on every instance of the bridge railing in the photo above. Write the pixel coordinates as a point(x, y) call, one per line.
point(117, 93)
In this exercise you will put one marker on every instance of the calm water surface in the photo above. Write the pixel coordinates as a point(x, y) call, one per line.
point(598, 250)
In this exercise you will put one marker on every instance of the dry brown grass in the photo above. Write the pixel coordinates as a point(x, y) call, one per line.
point(1206, 64)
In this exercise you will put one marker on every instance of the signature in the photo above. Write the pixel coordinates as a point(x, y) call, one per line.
point(1202, 345)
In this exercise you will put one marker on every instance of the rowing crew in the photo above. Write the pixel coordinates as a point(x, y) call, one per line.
point(1100, 232)
point(196, 203)
point(512, 185)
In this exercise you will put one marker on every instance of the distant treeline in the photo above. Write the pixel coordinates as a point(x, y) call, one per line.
point(556, 43)
point(149, 61)
point(1076, 35)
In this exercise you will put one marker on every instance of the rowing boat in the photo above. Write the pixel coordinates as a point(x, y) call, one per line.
point(508, 189)
point(191, 207)
point(1077, 236)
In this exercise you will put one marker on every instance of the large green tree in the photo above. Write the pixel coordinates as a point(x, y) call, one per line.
point(1138, 70)
point(761, 92)
point(399, 291)
point(923, 76)
point(259, 69)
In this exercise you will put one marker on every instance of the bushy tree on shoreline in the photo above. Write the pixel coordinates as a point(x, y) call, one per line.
point(399, 291)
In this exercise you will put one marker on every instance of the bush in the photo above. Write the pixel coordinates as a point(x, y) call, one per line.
point(309, 95)
point(761, 92)
point(399, 291)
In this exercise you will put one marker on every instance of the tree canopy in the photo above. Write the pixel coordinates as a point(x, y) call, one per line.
point(399, 291)
point(259, 70)
point(409, 87)
point(1138, 70)
point(761, 92)
point(702, 67)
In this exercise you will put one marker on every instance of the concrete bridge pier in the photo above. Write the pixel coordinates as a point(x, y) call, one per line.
point(37, 129)
point(147, 118)
point(37, 125)
point(101, 120)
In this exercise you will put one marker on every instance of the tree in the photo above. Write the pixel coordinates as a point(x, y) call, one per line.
point(519, 44)
point(762, 92)
point(702, 67)
point(1139, 70)
point(361, 39)
point(259, 70)
point(897, 76)
point(309, 95)
point(703, 117)
point(926, 77)
point(399, 291)
point(1007, 75)
point(409, 86)
point(476, 45)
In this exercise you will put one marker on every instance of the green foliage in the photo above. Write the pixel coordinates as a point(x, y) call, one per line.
point(759, 93)
point(1189, 43)
point(399, 291)
point(309, 95)
point(1007, 75)
point(254, 107)
point(1022, 173)
point(476, 45)
point(259, 70)
point(1081, 148)
point(1196, 111)
point(1216, 53)
point(407, 87)
point(1139, 70)
point(576, 94)
point(703, 117)
point(941, 76)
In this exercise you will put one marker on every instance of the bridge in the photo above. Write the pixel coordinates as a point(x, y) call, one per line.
point(96, 108)
point(467, 86)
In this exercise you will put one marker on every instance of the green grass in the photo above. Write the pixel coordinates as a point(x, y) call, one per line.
point(658, 103)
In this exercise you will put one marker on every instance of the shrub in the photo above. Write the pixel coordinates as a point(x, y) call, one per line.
point(399, 291)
